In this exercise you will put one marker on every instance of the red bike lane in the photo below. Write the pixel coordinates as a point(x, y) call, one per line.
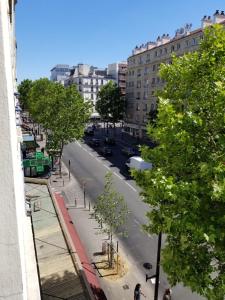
point(88, 269)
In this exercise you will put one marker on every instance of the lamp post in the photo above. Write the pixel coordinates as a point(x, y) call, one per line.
point(84, 183)
point(157, 272)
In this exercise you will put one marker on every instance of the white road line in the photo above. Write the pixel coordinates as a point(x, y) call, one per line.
point(108, 168)
point(118, 175)
point(131, 187)
point(151, 237)
point(137, 222)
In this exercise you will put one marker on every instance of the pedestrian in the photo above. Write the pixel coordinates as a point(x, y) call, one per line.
point(138, 292)
point(167, 294)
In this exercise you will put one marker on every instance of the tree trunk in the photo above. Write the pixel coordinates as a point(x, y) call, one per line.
point(111, 254)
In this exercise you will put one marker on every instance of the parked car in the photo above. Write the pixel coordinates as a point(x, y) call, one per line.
point(106, 151)
point(109, 141)
point(89, 131)
point(94, 142)
point(129, 151)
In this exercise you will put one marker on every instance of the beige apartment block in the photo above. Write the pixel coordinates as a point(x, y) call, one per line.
point(143, 79)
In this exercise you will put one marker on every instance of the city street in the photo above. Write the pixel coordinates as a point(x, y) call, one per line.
point(89, 168)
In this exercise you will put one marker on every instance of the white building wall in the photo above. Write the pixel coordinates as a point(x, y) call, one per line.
point(13, 276)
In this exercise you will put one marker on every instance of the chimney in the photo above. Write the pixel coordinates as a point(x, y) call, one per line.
point(206, 21)
point(219, 16)
point(165, 38)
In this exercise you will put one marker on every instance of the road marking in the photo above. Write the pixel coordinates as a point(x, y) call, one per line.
point(131, 187)
point(108, 168)
point(151, 237)
point(137, 222)
point(118, 175)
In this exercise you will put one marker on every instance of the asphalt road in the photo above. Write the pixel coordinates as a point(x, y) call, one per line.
point(88, 166)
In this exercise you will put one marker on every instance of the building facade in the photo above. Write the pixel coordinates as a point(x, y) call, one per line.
point(89, 81)
point(142, 79)
point(118, 72)
point(60, 73)
point(15, 278)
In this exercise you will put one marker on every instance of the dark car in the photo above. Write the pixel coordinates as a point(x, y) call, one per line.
point(129, 151)
point(94, 142)
point(109, 141)
point(89, 131)
point(106, 151)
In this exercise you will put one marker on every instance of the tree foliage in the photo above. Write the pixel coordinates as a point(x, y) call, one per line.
point(24, 89)
point(111, 210)
point(186, 187)
point(110, 104)
point(61, 110)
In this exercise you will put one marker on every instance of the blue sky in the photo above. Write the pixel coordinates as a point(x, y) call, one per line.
point(96, 32)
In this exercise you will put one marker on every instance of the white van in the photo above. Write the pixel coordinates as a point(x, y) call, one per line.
point(137, 163)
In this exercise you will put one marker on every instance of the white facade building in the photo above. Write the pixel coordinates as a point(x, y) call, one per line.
point(15, 278)
point(89, 81)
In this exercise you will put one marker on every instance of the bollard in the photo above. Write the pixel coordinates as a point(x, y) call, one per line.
point(75, 202)
point(89, 206)
point(63, 182)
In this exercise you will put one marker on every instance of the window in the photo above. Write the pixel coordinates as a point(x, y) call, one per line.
point(152, 107)
point(138, 95)
point(137, 106)
point(153, 80)
point(153, 68)
point(148, 58)
point(145, 96)
point(178, 46)
point(160, 52)
point(146, 71)
point(187, 43)
point(139, 84)
point(145, 107)
point(165, 50)
point(156, 53)
point(139, 72)
point(193, 42)
point(172, 48)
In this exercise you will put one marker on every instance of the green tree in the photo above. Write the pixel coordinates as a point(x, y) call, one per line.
point(186, 187)
point(110, 104)
point(61, 111)
point(111, 210)
point(24, 89)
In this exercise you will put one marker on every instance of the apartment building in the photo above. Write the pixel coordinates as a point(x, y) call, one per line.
point(89, 81)
point(142, 79)
point(60, 73)
point(118, 71)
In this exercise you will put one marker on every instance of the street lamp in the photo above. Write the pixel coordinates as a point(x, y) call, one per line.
point(156, 276)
